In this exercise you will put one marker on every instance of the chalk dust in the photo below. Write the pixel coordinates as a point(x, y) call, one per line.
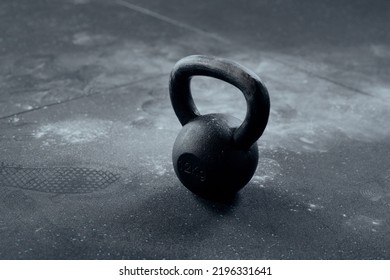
point(74, 131)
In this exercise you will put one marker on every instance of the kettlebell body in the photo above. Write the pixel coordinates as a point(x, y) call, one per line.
point(216, 155)
point(207, 161)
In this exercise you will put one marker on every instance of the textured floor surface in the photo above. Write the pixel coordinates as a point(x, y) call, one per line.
point(87, 129)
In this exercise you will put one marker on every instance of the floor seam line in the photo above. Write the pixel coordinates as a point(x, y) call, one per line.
point(82, 96)
point(169, 20)
point(309, 73)
point(177, 23)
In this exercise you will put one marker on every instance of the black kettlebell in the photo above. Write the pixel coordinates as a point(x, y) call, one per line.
point(215, 155)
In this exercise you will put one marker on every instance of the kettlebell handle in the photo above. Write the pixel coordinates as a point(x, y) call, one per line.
point(255, 93)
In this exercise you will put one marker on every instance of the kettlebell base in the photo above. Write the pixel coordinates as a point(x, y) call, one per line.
point(218, 186)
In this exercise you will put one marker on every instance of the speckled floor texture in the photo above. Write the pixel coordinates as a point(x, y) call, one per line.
point(87, 129)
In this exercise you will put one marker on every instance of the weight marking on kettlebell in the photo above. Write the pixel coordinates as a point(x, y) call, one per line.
point(187, 166)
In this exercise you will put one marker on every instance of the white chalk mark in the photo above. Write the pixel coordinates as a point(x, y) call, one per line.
point(156, 165)
point(361, 223)
point(75, 131)
point(38, 229)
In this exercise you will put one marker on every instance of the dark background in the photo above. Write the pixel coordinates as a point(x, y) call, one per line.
point(87, 129)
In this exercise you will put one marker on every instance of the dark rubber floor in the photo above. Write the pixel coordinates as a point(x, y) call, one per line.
point(87, 129)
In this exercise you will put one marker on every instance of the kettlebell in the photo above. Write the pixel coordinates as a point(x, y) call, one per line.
point(215, 155)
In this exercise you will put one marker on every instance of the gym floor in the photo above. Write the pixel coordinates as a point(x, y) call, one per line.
point(87, 129)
